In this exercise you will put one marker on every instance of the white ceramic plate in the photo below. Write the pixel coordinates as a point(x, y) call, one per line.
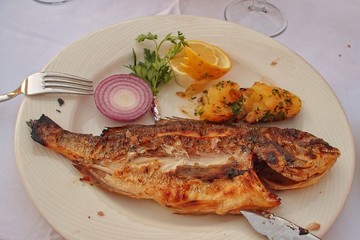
point(71, 206)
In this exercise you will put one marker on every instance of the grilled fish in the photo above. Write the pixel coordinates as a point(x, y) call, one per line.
point(193, 167)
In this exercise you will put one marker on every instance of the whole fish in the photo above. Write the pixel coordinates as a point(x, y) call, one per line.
point(193, 167)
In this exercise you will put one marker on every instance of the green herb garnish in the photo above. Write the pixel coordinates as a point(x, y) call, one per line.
point(236, 107)
point(155, 70)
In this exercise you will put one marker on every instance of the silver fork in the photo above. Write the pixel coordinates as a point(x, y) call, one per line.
point(51, 82)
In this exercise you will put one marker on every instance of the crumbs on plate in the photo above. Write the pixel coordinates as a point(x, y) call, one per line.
point(313, 226)
point(85, 178)
point(61, 102)
point(275, 61)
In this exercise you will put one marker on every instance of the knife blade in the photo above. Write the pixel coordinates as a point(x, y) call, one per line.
point(275, 227)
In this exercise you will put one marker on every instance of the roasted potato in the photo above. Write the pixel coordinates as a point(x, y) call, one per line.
point(264, 103)
point(217, 101)
point(225, 101)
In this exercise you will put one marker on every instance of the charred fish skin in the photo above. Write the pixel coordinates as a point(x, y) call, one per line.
point(217, 158)
point(187, 188)
point(296, 156)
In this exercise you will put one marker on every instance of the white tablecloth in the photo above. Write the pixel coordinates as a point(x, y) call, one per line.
point(325, 33)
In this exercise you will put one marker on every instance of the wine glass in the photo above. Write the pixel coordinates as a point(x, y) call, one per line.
point(259, 15)
point(51, 1)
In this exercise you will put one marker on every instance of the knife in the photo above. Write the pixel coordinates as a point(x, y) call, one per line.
point(275, 227)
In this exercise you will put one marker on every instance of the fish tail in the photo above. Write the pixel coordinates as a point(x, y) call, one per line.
point(39, 126)
point(71, 145)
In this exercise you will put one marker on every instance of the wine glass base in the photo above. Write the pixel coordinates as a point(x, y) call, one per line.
point(51, 1)
point(268, 20)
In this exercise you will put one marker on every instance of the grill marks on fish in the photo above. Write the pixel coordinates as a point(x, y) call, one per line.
point(172, 140)
point(193, 166)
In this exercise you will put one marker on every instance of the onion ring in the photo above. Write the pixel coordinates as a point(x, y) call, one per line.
point(123, 97)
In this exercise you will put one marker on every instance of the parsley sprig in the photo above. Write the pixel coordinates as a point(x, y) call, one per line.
point(155, 69)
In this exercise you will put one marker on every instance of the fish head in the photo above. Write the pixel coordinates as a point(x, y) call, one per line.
point(290, 159)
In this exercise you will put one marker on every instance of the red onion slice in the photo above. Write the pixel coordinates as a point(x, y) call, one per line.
point(123, 97)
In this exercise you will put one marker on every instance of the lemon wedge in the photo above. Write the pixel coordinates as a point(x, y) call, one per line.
point(198, 63)
point(181, 77)
point(202, 50)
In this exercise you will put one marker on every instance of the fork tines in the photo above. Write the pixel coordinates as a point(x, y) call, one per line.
point(68, 83)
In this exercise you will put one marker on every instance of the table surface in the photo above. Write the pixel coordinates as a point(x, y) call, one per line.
point(327, 35)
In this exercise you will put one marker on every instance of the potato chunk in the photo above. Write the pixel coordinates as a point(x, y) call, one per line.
point(264, 103)
point(225, 101)
point(218, 101)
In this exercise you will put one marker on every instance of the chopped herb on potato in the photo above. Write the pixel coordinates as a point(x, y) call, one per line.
point(226, 101)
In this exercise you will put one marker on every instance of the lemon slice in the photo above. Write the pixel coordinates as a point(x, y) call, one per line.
point(198, 68)
point(224, 62)
point(198, 63)
point(203, 50)
point(181, 77)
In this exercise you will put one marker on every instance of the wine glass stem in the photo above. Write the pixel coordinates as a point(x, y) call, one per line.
point(259, 6)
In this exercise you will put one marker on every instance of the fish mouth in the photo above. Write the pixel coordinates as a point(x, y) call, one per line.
point(291, 159)
point(279, 181)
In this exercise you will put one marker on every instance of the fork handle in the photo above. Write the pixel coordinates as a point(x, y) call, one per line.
point(10, 95)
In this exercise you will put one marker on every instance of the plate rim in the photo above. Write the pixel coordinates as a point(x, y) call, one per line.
point(89, 35)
